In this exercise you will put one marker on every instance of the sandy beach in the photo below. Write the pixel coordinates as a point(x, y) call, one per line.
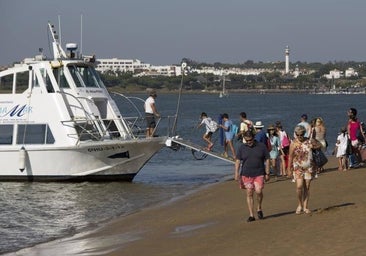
point(212, 221)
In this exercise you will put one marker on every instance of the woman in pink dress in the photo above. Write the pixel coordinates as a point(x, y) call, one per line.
point(355, 133)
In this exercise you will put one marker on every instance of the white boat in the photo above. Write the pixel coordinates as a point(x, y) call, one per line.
point(59, 123)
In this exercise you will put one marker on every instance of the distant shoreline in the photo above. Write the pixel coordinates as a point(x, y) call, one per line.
point(237, 91)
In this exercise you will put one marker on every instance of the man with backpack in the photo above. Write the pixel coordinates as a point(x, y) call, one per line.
point(245, 125)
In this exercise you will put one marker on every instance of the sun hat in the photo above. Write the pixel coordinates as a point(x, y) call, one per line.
point(258, 124)
point(271, 127)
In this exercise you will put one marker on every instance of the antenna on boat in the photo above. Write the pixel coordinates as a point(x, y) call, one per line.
point(59, 28)
point(81, 34)
point(183, 65)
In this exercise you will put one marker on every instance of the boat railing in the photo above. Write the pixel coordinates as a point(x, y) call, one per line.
point(91, 127)
point(86, 130)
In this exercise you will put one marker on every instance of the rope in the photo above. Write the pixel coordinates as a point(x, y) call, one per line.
point(179, 98)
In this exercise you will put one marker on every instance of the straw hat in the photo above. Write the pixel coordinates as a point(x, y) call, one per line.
point(258, 124)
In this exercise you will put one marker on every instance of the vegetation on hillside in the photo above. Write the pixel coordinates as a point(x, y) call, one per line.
point(312, 78)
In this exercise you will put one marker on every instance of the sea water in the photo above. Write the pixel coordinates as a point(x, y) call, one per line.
point(33, 213)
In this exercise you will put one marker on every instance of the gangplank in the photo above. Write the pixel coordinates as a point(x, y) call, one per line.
point(173, 142)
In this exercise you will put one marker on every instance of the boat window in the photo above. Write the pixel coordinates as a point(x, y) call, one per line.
point(6, 134)
point(86, 74)
point(22, 80)
point(34, 134)
point(49, 85)
point(73, 72)
point(97, 77)
point(60, 77)
point(88, 77)
point(6, 83)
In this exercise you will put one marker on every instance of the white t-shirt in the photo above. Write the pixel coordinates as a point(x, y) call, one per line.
point(149, 101)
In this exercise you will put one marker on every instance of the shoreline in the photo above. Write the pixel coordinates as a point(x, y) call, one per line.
point(211, 221)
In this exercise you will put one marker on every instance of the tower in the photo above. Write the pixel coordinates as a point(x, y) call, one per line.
point(287, 60)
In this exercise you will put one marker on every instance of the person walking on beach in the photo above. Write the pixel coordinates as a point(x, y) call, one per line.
point(229, 135)
point(211, 127)
point(274, 143)
point(245, 125)
point(260, 134)
point(253, 158)
point(150, 113)
point(318, 132)
point(284, 147)
point(304, 122)
point(301, 166)
point(341, 152)
point(355, 133)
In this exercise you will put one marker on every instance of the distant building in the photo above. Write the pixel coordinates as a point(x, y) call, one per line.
point(137, 67)
point(334, 74)
point(121, 65)
point(350, 72)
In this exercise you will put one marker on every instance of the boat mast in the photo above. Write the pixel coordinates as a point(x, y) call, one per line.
point(58, 52)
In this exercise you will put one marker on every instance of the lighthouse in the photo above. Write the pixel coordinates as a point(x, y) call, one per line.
point(287, 60)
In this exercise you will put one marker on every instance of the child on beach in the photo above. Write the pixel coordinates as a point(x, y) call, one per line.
point(342, 143)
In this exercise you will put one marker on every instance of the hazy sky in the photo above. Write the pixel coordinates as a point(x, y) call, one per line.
point(163, 32)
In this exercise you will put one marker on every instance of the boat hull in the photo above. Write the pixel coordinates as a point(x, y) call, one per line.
point(109, 161)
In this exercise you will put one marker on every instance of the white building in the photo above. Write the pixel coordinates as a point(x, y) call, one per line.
point(334, 74)
point(122, 65)
point(350, 72)
point(137, 67)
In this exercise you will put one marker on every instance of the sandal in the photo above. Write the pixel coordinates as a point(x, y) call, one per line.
point(298, 210)
point(307, 211)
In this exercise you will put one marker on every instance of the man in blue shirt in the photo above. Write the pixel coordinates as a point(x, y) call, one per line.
point(253, 158)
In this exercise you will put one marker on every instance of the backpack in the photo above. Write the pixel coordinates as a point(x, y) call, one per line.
point(251, 127)
point(234, 129)
point(213, 126)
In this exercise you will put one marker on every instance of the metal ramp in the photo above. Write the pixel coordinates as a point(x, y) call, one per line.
point(197, 148)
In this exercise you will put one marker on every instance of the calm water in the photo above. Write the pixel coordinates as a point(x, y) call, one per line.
point(33, 213)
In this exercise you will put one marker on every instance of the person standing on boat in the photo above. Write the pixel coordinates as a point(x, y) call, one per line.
point(150, 113)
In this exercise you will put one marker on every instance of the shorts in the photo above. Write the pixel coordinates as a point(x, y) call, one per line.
point(150, 120)
point(208, 134)
point(355, 143)
point(256, 183)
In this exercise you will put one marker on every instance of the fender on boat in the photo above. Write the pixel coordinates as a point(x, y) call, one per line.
point(22, 154)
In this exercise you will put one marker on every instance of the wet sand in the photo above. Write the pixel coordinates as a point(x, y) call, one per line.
point(212, 221)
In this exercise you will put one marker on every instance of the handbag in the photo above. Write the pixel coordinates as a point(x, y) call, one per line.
point(285, 141)
point(319, 158)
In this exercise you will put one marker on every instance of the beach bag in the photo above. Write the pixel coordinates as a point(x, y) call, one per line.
point(319, 158)
point(285, 141)
point(213, 126)
point(269, 145)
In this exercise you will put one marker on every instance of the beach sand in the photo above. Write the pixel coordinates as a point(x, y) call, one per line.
point(212, 221)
